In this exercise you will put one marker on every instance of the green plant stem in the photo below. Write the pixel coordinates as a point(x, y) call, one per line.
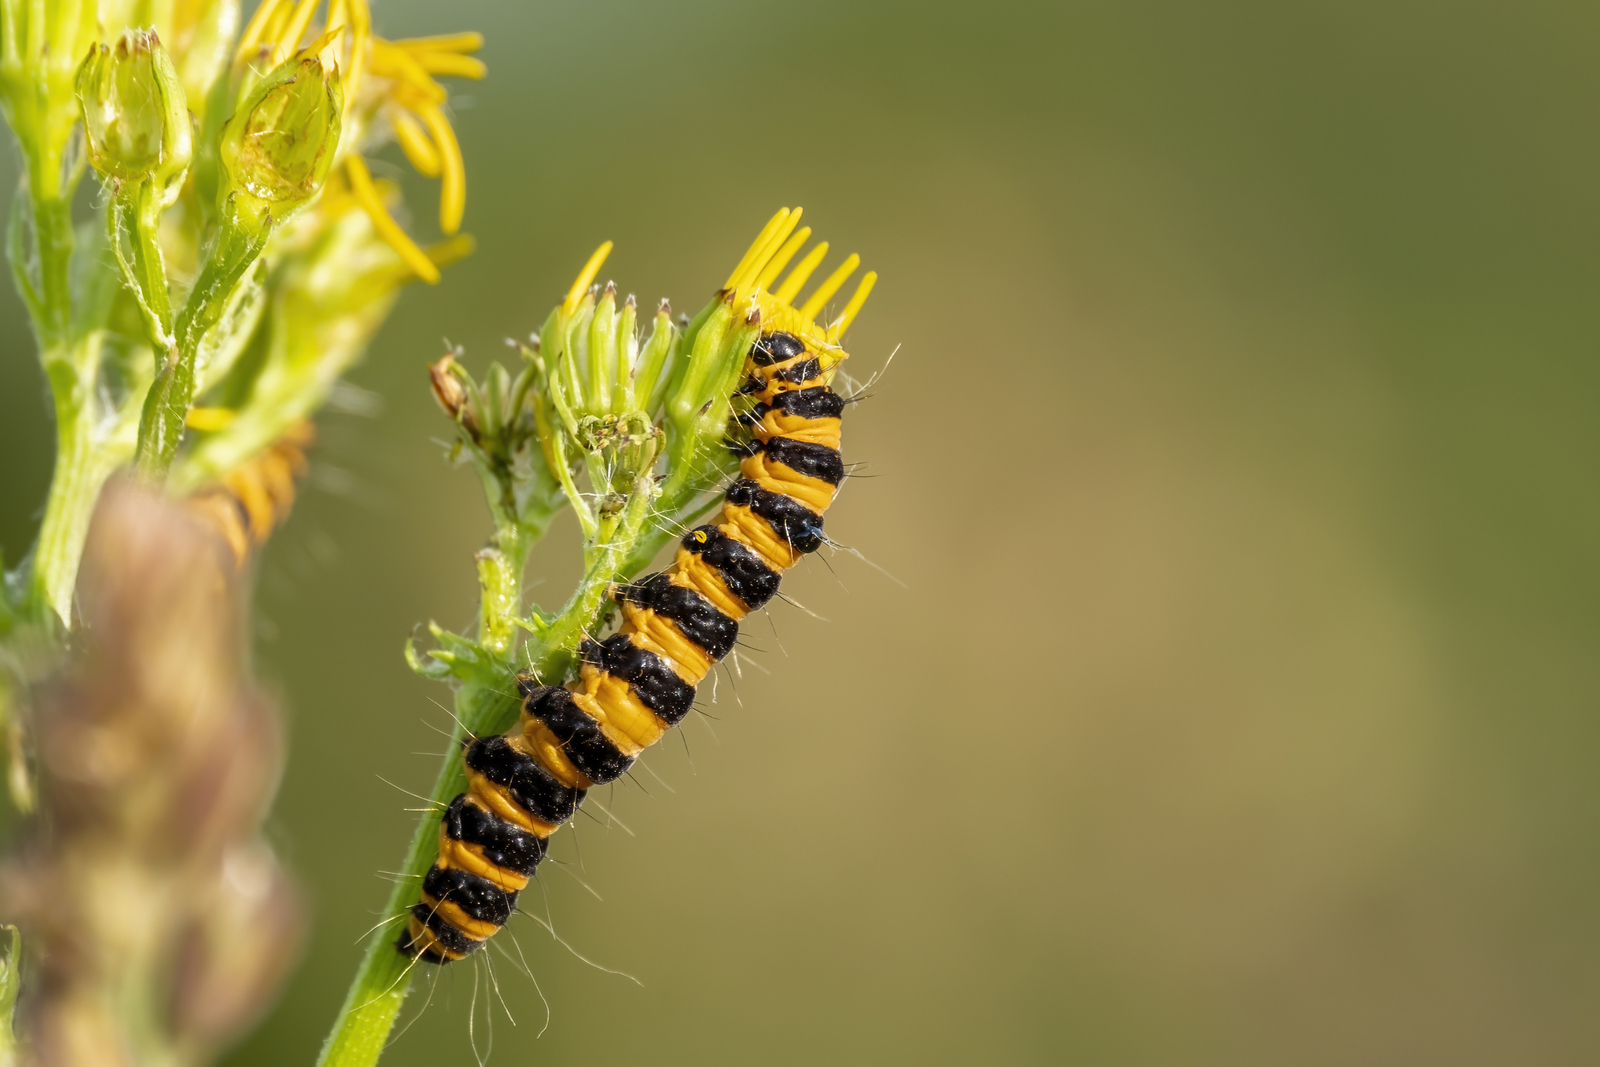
point(485, 704)
point(74, 486)
point(71, 365)
point(135, 214)
point(239, 242)
point(52, 223)
point(10, 986)
point(381, 983)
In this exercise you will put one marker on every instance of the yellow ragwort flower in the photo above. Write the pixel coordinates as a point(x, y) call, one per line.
point(751, 281)
point(400, 87)
point(771, 251)
point(414, 107)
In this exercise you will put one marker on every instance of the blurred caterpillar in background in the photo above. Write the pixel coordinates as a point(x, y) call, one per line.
point(246, 505)
point(636, 684)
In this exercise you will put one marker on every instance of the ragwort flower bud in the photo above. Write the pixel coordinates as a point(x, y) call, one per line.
point(445, 377)
point(135, 112)
point(278, 146)
point(600, 380)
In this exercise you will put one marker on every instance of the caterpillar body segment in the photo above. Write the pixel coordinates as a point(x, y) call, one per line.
point(250, 502)
point(639, 682)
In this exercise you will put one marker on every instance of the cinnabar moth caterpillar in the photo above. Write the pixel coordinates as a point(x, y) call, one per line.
point(246, 505)
point(640, 681)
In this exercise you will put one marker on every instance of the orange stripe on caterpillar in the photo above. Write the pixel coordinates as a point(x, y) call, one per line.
point(256, 497)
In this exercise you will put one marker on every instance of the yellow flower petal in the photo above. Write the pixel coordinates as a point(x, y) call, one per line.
point(414, 142)
point(288, 38)
point(758, 258)
point(451, 65)
point(453, 187)
point(274, 28)
point(446, 42)
point(391, 62)
point(756, 246)
point(336, 196)
point(355, 15)
point(367, 196)
point(766, 259)
point(585, 277)
point(447, 252)
point(781, 260)
point(829, 287)
point(210, 419)
point(842, 323)
point(797, 277)
point(257, 28)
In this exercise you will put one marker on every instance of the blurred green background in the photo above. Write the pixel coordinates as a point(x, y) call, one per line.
point(1239, 461)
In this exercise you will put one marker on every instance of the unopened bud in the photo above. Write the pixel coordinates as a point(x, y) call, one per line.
point(135, 112)
point(278, 146)
point(445, 379)
point(627, 444)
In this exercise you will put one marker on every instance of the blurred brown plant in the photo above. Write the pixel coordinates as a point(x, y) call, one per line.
point(159, 923)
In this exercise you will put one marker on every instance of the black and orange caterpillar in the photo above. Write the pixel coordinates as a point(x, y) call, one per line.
point(636, 684)
point(252, 500)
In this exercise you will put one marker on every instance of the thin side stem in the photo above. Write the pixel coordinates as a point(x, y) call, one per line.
point(380, 985)
point(239, 243)
point(135, 216)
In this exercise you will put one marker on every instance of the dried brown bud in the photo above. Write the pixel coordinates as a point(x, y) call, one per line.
point(445, 379)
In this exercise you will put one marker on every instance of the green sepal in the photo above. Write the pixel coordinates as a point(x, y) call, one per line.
point(432, 668)
point(656, 361)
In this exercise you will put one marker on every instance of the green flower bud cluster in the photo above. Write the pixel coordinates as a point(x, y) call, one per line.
point(599, 387)
point(493, 416)
point(618, 403)
point(642, 418)
point(275, 153)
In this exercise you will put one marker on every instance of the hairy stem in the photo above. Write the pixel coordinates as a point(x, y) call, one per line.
point(135, 216)
point(381, 983)
point(71, 365)
point(485, 704)
point(238, 244)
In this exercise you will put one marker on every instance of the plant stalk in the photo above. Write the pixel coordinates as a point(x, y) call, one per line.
point(135, 214)
point(239, 242)
point(80, 471)
point(485, 704)
point(71, 365)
